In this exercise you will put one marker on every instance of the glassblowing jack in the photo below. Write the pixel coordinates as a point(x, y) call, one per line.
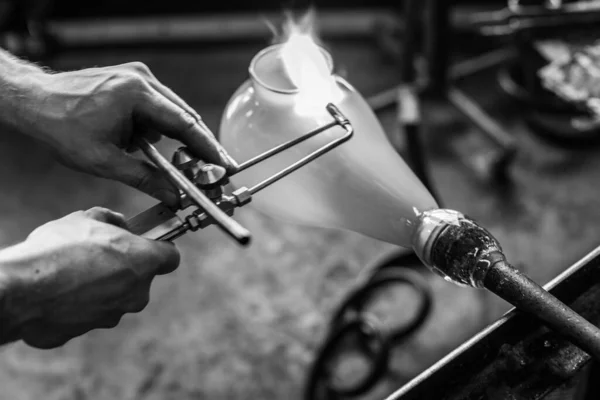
point(204, 186)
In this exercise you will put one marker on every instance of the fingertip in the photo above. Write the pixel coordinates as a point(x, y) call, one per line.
point(168, 259)
point(109, 321)
point(211, 151)
point(229, 163)
point(203, 145)
point(140, 301)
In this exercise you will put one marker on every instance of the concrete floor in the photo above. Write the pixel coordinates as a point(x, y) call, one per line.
point(237, 323)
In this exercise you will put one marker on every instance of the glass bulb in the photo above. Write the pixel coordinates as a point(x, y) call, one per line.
point(363, 185)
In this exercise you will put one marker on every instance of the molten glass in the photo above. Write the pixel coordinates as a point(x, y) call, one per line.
point(363, 185)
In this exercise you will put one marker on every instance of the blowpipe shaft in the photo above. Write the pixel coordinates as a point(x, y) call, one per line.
point(526, 295)
point(463, 252)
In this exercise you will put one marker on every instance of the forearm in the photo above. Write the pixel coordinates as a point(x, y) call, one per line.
point(19, 83)
point(8, 325)
point(8, 329)
point(15, 266)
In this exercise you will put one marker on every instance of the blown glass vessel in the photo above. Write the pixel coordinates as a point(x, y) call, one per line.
point(363, 185)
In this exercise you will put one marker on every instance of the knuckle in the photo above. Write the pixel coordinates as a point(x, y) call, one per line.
point(96, 211)
point(131, 81)
point(139, 67)
point(47, 344)
point(163, 257)
point(95, 160)
point(172, 259)
point(143, 179)
point(139, 303)
point(81, 331)
point(120, 247)
point(111, 322)
point(45, 340)
point(188, 120)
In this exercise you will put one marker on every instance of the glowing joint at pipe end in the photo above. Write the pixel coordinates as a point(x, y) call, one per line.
point(455, 247)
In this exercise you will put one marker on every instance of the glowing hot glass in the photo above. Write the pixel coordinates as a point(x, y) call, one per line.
point(363, 185)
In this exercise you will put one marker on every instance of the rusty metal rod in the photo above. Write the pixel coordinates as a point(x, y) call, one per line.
point(523, 293)
point(460, 70)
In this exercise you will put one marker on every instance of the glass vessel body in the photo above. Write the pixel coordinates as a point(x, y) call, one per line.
point(363, 185)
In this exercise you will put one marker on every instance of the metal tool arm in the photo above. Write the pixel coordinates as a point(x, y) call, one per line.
point(203, 187)
point(227, 224)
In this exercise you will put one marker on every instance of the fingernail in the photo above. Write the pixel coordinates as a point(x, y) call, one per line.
point(227, 160)
point(230, 163)
point(169, 197)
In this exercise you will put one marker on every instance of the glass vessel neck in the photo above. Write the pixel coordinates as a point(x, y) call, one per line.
point(270, 79)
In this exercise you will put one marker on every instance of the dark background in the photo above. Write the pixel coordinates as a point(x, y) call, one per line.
point(119, 8)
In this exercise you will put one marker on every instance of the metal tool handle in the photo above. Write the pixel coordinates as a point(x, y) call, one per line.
point(157, 223)
point(226, 223)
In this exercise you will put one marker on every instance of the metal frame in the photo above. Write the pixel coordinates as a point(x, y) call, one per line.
point(439, 82)
point(162, 223)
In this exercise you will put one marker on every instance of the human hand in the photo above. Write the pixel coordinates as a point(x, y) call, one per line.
point(90, 117)
point(79, 273)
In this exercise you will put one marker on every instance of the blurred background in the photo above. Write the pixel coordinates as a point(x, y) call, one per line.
point(236, 323)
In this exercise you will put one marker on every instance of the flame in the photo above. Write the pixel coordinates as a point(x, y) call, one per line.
point(307, 66)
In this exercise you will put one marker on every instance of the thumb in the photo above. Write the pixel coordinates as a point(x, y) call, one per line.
point(159, 257)
point(166, 256)
point(139, 174)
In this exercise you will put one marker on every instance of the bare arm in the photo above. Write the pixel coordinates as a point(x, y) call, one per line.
point(17, 82)
point(16, 77)
point(8, 327)
point(75, 274)
point(16, 265)
point(89, 118)
point(86, 270)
